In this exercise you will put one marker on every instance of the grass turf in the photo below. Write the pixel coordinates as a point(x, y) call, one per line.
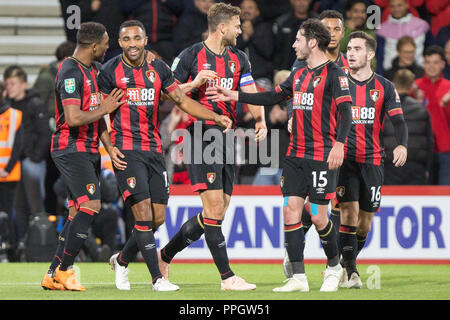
point(21, 281)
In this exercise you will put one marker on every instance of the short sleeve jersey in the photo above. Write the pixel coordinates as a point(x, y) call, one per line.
point(233, 72)
point(135, 124)
point(75, 87)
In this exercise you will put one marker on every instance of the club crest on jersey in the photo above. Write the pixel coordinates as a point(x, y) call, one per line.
point(211, 176)
point(317, 81)
point(69, 85)
point(340, 191)
point(131, 182)
point(151, 75)
point(346, 70)
point(374, 94)
point(232, 66)
point(90, 188)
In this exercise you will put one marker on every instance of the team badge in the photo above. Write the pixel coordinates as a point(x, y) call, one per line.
point(374, 94)
point(346, 70)
point(69, 85)
point(282, 181)
point(90, 188)
point(211, 176)
point(151, 75)
point(340, 191)
point(232, 66)
point(316, 81)
point(131, 182)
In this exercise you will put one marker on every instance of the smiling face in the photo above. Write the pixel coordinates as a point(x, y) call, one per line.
point(336, 29)
point(231, 30)
point(357, 14)
point(133, 40)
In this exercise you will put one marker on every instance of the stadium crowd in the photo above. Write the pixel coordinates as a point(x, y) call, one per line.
point(413, 52)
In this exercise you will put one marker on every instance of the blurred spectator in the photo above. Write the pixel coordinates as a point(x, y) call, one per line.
point(417, 168)
point(159, 21)
point(10, 148)
point(45, 82)
point(447, 60)
point(437, 101)
point(30, 192)
point(443, 40)
point(109, 13)
point(406, 52)
point(175, 166)
point(401, 23)
point(388, 8)
point(285, 29)
point(272, 9)
point(440, 9)
point(192, 26)
point(276, 121)
point(356, 13)
point(256, 40)
point(106, 12)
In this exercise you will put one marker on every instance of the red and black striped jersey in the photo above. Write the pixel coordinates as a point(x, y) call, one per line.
point(135, 124)
point(341, 61)
point(316, 94)
point(233, 71)
point(372, 99)
point(75, 84)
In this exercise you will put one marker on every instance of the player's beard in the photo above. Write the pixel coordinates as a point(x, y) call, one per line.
point(138, 57)
point(358, 66)
point(101, 57)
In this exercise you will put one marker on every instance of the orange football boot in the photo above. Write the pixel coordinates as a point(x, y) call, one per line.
point(48, 283)
point(68, 279)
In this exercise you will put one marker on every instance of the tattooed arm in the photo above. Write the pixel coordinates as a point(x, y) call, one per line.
point(196, 110)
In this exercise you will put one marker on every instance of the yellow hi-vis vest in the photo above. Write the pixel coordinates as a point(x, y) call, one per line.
point(10, 121)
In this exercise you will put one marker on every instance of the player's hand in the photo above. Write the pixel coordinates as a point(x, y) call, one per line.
point(149, 56)
point(290, 125)
point(400, 155)
point(217, 94)
point(223, 121)
point(203, 76)
point(112, 101)
point(3, 173)
point(116, 158)
point(336, 156)
point(260, 131)
point(445, 99)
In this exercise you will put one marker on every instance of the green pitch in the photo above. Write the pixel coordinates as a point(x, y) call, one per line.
point(201, 282)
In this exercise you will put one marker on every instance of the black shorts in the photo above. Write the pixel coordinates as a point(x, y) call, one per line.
point(305, 177)
point(144, 178)
point(80, 172)
point(211, 176)
point(362, 183)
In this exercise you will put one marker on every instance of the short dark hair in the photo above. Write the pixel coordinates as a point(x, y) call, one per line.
point(2, 88)
point(220, 13)
point(15, 71)
point(403, 79)
point(331, 14)
point(434, 49)
point(371, 43)
point(64, 50)
point(405, 40)
point(132, 23)
point(314, 29)
point(89, 33)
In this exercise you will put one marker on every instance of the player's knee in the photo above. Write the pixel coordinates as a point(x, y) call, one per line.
point(215, 210)
point(319, 221)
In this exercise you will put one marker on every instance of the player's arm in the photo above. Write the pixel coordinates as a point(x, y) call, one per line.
point(76, 117)
point(341, 95)
point(395, 114)
point(196, 110)
point(199, 80)
point(114, 152)
point(258, 114)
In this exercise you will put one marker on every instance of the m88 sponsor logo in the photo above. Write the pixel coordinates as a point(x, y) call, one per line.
point(140, 96)
point(363, 115)
point(226, 83)
point(303, 100)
